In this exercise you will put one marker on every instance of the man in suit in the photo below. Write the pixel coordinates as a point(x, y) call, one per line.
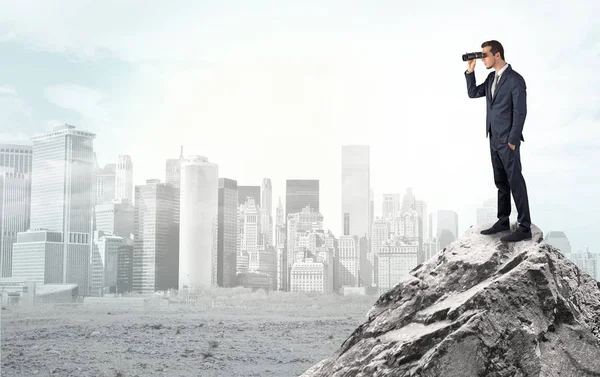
point(505, 93)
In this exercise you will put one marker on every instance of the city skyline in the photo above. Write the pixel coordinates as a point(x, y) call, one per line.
point(279, 104)
point(379, 201)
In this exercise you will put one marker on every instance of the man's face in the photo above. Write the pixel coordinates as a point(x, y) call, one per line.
point(488, 60)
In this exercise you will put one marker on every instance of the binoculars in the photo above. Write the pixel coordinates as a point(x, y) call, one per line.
point(473, 55)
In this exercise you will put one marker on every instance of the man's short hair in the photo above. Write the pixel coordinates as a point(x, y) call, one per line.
point(495, 47)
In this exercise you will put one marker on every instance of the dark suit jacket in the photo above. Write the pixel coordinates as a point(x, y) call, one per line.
point(507, 111)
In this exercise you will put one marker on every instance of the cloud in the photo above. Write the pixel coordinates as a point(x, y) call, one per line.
point(19, 137)
point(194, 31)
point(86, 101)
point(7, 90)
point(50, 124)
point(15, 113)
point(7, 37)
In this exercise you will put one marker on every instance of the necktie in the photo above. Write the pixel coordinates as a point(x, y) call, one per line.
point(495, 86)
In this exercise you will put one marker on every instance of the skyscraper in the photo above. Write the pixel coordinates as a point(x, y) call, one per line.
point(156, 237)
point(173, 178)
point(173, 170)
point(586, 261)
point(15, 169)
point(227, 233)
point(421, 208)
point(487, 214)
point(252, 239)
point(279, 225)
point(62, 192)
point(356, 188)
point(267, 206)
point(390, 206)
point(409, 200)
point(371, 210)
point(62, 187)
point(16, 156)
point(115, 218)
point(300, 193)
point(447, 227)
point(245, 192)
point(558, 239)
point(346, 231)
point(14, 214)
point(198, 219)
point(124, 179)
point(106, 184)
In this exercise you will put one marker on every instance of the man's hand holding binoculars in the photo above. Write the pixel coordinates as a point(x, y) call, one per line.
point(471, 65)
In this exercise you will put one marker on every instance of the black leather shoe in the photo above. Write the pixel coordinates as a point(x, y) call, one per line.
point(518, 235)
point(496, 228)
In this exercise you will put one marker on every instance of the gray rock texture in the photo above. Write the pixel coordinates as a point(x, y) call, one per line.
point(480, 307)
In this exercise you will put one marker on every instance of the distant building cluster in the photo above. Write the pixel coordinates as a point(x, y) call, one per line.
point(64, 220)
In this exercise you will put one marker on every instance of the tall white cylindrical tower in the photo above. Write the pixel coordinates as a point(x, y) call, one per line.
point(198, 221)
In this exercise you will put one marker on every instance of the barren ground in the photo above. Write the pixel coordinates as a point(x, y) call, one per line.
point(243, 334)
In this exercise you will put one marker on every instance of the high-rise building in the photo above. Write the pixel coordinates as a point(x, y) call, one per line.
point(559, 240)
point(245, 192)
point(106, 179)
point(586, 261)
point(280, 219)
point(267, 206)
point(381, 233)
point(156, 238)
point(407, 227)
point(371, 210)
point(58, 246)
point(124, 179)
point(391, 206)
point(173, 178)
point(421, 208)
point(300, 193)
point(395, 261)
point(346, 231)
point(264, 261)
point(115, 218)
point(227, 233)
point(62, 187)
point(16, 156)
point(105, 262)
point(16, 162)
point(198, 219)
point(409, 200)
point(14, 213)
point(356, 188)
point(432, 232)
point(348, 266)
point(488, 212)
point(252, 239)
point(447, 227)
point(297, 225)
point(279, 225)
point(173, 170)
point(125, 267)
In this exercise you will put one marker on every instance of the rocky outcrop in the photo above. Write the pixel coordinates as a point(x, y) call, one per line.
point(480, 308)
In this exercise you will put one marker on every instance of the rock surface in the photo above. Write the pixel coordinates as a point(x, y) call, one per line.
point(480, 307)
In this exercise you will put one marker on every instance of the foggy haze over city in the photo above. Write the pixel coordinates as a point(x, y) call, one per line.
point(274, 91)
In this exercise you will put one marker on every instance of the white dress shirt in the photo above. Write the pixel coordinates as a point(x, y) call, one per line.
point(497, 78)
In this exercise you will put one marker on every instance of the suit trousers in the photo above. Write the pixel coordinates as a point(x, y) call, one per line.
point(508, 178)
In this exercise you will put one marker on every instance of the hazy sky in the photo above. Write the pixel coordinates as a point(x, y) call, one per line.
point(274, 89)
